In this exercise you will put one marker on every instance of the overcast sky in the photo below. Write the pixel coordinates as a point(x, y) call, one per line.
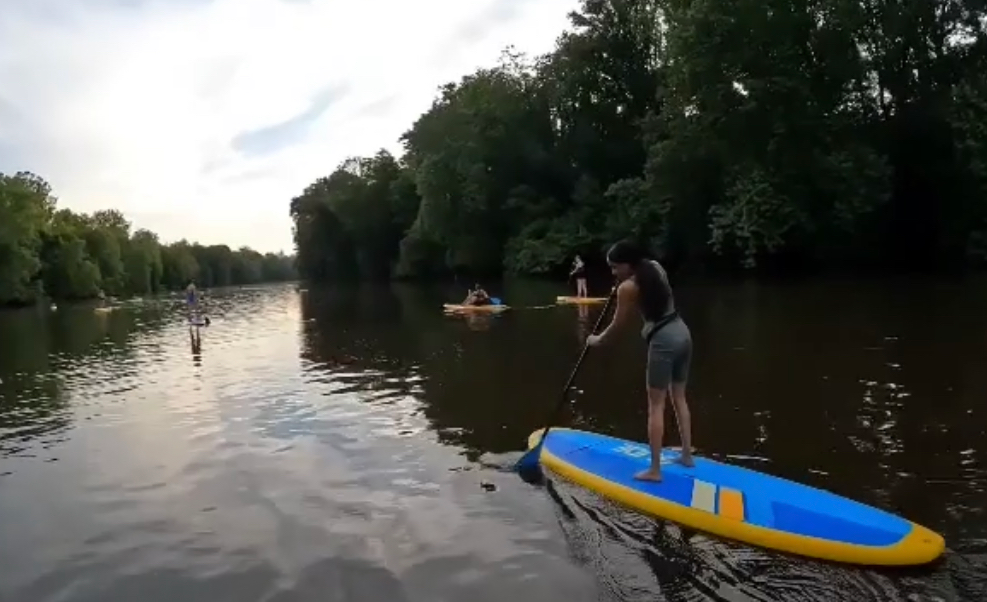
point(200, 119)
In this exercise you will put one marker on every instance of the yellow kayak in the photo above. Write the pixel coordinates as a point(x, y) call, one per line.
point(450, 307)
point(580, 300)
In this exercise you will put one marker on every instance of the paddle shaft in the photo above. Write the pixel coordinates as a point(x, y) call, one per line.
point(575, 369)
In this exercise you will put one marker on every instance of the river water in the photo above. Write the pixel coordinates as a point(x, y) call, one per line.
point(354, 445)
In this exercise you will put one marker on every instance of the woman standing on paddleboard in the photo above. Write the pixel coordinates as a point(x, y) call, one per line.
point(191, 298)
point(644, 284)
point(579, 273)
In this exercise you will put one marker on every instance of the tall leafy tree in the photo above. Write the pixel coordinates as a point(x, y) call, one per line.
point(67, 255)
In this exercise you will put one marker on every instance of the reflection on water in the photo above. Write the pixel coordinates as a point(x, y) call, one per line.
point(195, 342)
point(333, 444)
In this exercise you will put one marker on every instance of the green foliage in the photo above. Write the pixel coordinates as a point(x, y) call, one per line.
point(75, 256)
point(747, 133)
point(26, 205)
point(67, 271)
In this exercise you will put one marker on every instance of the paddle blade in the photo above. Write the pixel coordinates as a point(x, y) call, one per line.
point(529, 466)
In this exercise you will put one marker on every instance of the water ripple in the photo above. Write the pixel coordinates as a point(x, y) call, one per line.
point(356, 446)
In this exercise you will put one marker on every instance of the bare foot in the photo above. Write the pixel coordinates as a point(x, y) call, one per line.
point(685, 460)
point(649, 475)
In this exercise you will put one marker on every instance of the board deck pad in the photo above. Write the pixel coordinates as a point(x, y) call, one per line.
point(730, 493)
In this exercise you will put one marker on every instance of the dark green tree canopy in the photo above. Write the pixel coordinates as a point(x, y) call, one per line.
point(729, 134)
point(68, 255)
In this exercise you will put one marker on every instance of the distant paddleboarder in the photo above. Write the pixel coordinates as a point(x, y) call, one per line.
point(477, 296)
point(579, 273)
point(644, 285)
point(191, 297)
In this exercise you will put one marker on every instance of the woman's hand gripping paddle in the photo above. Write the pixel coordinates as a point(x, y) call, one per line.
point(529, 467)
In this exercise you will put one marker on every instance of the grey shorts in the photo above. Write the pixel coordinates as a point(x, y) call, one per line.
point(669, 355)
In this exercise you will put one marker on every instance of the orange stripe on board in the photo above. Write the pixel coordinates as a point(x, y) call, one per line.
point(731, 503)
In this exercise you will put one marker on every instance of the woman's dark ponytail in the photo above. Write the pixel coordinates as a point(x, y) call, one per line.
point(627, 252)
point(654, 290)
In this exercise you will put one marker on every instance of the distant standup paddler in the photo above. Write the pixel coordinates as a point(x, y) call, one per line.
point(477, 296)
point(644, 285)
point(191, 296)
point(579, 273)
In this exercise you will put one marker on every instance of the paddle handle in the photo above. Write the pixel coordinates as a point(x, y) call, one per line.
point(579, 363)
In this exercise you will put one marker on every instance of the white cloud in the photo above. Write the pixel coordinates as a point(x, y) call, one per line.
point(136, 104)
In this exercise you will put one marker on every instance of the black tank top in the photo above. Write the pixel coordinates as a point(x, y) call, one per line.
point(655, 299)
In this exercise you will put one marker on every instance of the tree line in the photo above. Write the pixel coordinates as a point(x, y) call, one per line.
point(46, 251)
point(823, 134)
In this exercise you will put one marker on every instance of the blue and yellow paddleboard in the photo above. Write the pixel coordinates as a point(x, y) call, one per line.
point(739, 503)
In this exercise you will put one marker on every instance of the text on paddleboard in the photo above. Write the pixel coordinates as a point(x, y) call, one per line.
point(638, 451)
